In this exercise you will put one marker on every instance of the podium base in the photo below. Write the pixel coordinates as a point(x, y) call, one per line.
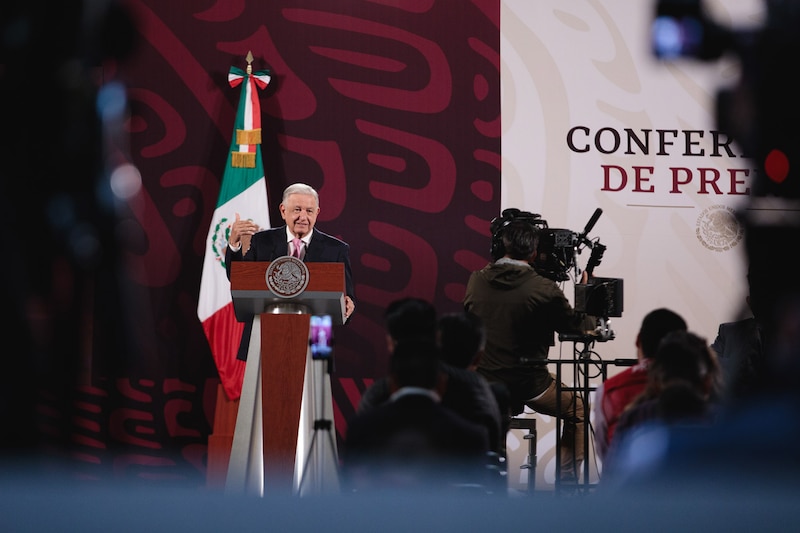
point(258, 465)
point(221, 440)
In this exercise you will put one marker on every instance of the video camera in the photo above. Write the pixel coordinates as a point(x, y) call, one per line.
point(557, 254)
point(760, 110)
point(558, 248)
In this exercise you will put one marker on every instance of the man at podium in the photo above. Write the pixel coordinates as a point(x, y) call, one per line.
point(298, 237)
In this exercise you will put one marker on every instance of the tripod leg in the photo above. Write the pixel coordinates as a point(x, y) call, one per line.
point(308, 459)
point(322, 457)
point(326, 475)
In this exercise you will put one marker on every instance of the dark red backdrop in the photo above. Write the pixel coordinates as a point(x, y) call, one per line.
point(390, 108)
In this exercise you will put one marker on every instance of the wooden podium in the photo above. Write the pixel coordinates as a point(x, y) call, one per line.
point(276, 385)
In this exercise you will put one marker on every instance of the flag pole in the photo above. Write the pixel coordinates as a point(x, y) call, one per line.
point(243, 191)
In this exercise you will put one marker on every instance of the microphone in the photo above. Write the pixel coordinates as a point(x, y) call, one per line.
point(589, 225)
point(592, 221)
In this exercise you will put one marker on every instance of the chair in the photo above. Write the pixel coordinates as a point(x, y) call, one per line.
point(528, 424)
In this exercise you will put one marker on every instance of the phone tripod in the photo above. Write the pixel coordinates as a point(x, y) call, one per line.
point(322, 457)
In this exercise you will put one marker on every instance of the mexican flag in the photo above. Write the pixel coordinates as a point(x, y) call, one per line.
point(243, 191)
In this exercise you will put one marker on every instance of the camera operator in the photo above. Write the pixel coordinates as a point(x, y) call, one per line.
point(521, 310)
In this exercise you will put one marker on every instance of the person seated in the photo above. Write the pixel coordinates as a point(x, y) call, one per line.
point(522, 311)
point(614, 394)
point(467, 393)
point(405, 318)
point(740, 347)
point(411, 441)
point(462, 339)
point(683, 388)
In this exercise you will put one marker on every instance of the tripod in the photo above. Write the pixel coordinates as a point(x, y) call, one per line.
point(322, 456)
point(580, 365)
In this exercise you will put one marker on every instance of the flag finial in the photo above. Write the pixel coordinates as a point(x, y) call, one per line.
point(249, 61)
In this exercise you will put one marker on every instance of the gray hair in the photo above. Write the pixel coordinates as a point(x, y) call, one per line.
point(300, 188)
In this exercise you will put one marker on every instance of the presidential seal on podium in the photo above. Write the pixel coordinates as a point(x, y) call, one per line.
point(287, 276)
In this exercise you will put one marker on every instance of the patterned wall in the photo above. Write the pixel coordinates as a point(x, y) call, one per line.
point(391, 109)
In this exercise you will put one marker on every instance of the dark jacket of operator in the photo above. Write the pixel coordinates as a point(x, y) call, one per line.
point(521, 310)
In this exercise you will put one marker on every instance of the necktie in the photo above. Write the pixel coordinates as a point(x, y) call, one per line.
point(297, 245)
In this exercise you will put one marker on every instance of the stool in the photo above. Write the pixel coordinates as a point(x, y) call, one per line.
point(528, 424)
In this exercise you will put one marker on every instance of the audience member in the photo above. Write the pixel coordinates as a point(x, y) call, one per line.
point(751, 445)
point(739, 346)
point(614, 395)
point(521, 311)
point(462, 340)
point(683, 386)
point(467, 393)
point(405, 318)
point(412, 442)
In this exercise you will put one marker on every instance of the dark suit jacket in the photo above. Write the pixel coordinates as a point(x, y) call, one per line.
point(739, 347)
point(413, 442)
point(271, 244)
point(468, 394)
